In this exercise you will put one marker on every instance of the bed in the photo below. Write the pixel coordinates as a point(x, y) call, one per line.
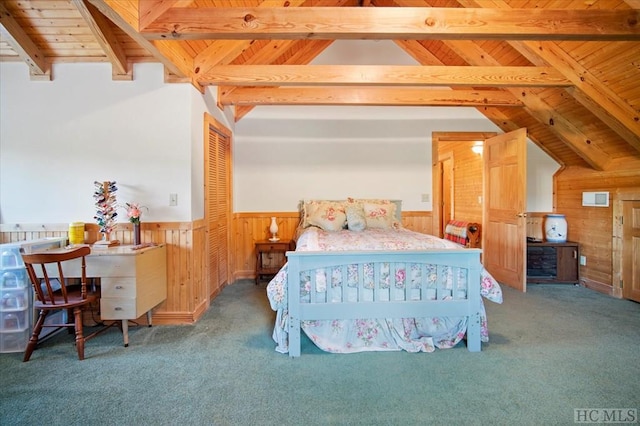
point(358, 281)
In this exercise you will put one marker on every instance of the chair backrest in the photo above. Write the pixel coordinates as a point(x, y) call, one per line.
point(51, 286)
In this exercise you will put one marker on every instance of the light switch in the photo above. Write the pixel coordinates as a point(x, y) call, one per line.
point(173, 199)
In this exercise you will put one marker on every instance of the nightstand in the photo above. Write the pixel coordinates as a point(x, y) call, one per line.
point(270, 257)
point(552, 262)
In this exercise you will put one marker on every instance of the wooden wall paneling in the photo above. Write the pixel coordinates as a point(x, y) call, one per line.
point(467, 180)
point(535, 225)
point(592, 227)
point(252, 227)
point(464, 138)
point(418, 221)
point(187, 297)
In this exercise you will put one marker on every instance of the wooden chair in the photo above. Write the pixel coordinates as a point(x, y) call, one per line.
point(53, 292)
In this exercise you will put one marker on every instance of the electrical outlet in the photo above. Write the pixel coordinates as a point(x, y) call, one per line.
point(426, 198)
point(583, 260)
point(173, 199)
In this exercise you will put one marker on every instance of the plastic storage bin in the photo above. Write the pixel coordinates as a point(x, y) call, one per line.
point(16, 294)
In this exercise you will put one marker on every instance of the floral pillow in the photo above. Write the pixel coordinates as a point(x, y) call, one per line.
point(328, 215)
point(356, 220)
point(379, 215)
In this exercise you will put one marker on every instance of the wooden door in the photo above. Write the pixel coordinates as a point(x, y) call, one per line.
point(217, 204)
point(446, 191)
point(504, 223)
point(631, 250)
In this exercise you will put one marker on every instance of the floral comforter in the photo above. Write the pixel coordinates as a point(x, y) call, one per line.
point(346, 336)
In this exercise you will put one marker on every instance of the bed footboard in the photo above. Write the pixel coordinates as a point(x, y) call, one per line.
point(378, 284)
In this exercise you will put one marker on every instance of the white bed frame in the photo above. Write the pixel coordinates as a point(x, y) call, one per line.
point(320, 309)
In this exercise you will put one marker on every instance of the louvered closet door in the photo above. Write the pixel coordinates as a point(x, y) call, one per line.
point(218, 194)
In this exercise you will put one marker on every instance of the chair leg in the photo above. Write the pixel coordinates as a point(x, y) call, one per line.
point(77, 313)
point(70, 321)
point(33, 341)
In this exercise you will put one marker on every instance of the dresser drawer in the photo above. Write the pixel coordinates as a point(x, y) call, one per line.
point(118, 287)
point(117, 308)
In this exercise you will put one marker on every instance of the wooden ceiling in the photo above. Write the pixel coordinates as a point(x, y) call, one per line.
point(567, 70)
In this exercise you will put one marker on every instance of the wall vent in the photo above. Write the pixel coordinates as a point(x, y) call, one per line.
point(595, 199)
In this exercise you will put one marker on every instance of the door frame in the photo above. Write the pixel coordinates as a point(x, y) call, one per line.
point(619, 197)
point(436, 138)
point(443, 158)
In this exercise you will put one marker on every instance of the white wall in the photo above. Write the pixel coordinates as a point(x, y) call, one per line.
point(339, 152)
point(540, 171)
point(283, 154)
point(58, 137)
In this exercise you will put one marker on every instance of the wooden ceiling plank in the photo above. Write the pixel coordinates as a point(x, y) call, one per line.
point(223, 52)
point(587, 89)
point(503, 121)
point(99, 26)
point(366, 96)
point(169, 54)
point(605, 104)
point(22, 44)
point(150, 10)
point(418, 52)
point(240, 23)
point(384, 75)
point(539, 109)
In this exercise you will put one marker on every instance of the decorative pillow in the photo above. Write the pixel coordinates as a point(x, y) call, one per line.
point(308, 208)
point(356, 220)
point(327, 215)
point(385, 204)
point(380, 215)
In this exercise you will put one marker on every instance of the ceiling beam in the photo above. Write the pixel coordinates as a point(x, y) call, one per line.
point(99, 26)
point(366, 96)
point(150, 10)
point(381, 75)
point(303, 51)
point(393, 23)
point(125, 15)
point(22, 44)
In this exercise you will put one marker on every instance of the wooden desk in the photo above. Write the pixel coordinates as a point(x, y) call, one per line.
point(132, 281)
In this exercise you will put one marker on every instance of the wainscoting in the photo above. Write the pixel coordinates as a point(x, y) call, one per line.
point(188, 292)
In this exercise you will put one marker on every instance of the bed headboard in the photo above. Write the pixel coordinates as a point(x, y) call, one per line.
point(398, 204)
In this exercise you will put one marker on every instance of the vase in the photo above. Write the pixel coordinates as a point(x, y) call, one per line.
point(136, 234)
point(555, 228)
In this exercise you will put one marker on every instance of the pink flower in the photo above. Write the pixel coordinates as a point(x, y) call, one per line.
point(134, 211)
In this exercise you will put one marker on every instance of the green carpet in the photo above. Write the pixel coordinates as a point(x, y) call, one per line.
point(551, 350)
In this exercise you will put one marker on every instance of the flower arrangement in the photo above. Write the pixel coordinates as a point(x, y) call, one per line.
point(134, 212)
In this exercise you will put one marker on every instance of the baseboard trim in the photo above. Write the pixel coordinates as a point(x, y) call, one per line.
point(600, 287)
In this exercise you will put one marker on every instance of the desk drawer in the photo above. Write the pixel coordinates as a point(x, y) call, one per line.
point(118, 287)
point(117, 308)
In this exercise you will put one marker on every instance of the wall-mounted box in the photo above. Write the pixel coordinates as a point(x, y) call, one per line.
point(595, 199)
